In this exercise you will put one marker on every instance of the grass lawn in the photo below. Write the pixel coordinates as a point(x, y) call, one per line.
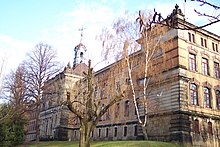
point(105, 144)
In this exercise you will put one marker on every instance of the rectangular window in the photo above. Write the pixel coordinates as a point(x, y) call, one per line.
point(205, 43)
point(217, 93)
point(135, 130)
point(193, 94)
point(106, 133)
point(196, 126)
point(116, 132)
point(205, 66)
point(192, 62)
point(126, 108)
point(207, 99)
point(216, 70)
point(210, 128)
point(202, 43)
point(191, 37)
point(125, 131)
point(213, 46)
point(99, 132)
point(216, 47)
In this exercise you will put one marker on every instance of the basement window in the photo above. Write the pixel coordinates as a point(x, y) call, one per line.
point(210, 128)
point(196, 126)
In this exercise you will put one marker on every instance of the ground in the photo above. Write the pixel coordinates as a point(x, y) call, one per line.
point(105, 144)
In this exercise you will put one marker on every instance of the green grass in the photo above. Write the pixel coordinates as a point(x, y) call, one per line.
point(105, 144)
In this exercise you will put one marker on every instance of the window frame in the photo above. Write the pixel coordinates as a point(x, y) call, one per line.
point(115, 132)
point(106, 132)
point(135, 131)
point(207, 97)
point(216, 47)
point(213, 46)
point(99, 132)
point(205, 66)
point(126, 108)
point(210, 130)
point(201, 42)
point(194, 94)
point(125, 132)
point(191, 37)
point(196, 126)
point(217, 95)
point(216, 70)
point(192, 62)
point(205, 43)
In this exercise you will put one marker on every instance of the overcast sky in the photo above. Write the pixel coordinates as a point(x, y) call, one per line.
point(25, 23)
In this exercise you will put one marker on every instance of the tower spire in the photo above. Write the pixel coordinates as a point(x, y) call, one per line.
point(79, 50)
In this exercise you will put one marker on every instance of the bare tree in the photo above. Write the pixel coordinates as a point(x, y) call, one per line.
point(136, 43)
point(40, 65)
point(15, 89)
point(85, 102)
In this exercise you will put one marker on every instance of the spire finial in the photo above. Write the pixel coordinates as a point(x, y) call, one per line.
point(81, 30)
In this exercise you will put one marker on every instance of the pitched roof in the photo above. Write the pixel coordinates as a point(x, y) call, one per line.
point(80, 68)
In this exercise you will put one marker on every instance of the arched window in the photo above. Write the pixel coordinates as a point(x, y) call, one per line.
point(217, 93)
point(207, 99)
point(210, 128)
point(196, 126)
point(193, 94)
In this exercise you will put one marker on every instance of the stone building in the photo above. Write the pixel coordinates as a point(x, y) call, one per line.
point(31, 125)
point(187, 91)
point(54, 115)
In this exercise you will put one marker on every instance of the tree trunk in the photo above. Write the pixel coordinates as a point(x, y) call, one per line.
point(85, 131)
point(37, 125)
point(144, 130)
